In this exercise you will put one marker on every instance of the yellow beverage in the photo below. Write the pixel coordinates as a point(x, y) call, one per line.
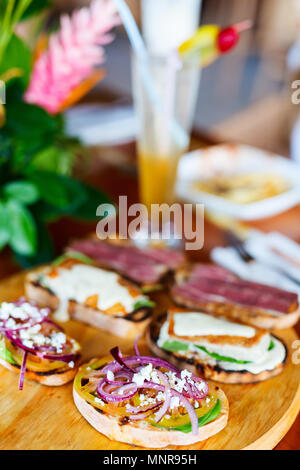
point(157, 177)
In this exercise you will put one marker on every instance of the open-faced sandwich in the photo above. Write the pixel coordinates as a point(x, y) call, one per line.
point(90, 294)
point(146, 401)
point(216, 348)
point(147, 267)
point(35, 346)
point(214, 289)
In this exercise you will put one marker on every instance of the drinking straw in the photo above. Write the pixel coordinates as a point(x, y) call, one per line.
point(140, 50)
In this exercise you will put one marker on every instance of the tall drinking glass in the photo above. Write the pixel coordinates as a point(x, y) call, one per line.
point(164, 124)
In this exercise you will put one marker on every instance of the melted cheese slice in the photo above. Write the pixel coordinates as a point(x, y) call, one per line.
point(81, 282)
point(200, 324)
point(194, 324)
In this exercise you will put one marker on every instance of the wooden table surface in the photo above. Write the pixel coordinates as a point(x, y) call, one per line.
point(116, 180)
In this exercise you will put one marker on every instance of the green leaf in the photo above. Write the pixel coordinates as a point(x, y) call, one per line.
point(54, 159)
point(222, 358)
point(175, 346)
point(17, 55)
point(36, 6)
point(30, 122)
point(179, 346)
point(22, 229)
point(5, 354)
point(271, 346)
point(211, 415)
point(59, 191)
point(73, 255)
point(4, 229)
point(94, 198)
point(144, 303)
point(24, 191)
point(45, 249)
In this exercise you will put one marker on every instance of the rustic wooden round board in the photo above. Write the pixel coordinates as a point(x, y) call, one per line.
point(43, 417)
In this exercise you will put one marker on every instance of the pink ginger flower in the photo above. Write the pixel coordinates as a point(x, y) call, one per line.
point(72, 54)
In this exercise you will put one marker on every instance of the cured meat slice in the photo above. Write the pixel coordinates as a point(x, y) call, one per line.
point(143, 266)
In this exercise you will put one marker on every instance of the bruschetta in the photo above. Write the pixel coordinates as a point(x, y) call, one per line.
point(34, 346)
point(145, 401)
point(216, 348)
point(92, 295)
point(214, 289)
point(148, 267)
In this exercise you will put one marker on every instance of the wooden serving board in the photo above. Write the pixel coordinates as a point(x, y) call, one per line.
point(43, 417)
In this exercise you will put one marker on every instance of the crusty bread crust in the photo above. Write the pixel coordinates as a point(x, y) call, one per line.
point(202, 368)
point(138, 434)
point(53, 378)
point(257, 317)
point(116, 326)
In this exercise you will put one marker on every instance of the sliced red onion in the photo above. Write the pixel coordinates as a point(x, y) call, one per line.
point(136, 349)
point(190, 409)
point(36, 352)
point(116, 354)
point(161, 413)
point(22, 371)
point(129, 388)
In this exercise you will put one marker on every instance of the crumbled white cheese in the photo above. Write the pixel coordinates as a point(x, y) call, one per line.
point(144, 374)
point(175, 402)
point(23, 312)
point(71, 364)
point(110, 375)
point(32, 337)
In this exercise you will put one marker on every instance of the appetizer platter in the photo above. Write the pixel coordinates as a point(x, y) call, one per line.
point(192, 377)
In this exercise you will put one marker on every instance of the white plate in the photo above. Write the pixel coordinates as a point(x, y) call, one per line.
point(237, 159)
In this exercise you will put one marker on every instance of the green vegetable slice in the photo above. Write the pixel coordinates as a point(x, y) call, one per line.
point(178, 346)
point(5, 354)
point(73, 255)
point(143, 303)
point(211, 415)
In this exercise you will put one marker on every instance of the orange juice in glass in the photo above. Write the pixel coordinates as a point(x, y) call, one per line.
point(163, 128)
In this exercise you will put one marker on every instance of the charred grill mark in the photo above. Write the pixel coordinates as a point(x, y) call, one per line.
point(137, 315)
point(124, 420)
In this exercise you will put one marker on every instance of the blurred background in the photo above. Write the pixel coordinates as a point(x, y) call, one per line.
point(243, 91)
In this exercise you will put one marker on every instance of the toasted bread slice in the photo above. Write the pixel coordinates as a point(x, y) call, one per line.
point(249, 314)
point(143, 434)
point(204, 368)
point(128, 327)
point(52, 378)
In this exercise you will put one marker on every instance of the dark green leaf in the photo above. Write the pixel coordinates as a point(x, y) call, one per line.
point(24, 191)
point(45, 250)
point(271, 345)
point(22, 229)
point(17, 55)
point(222, 358)
point(59, 191)
point(94, 198)
point(4, 230)
point(36, 6)
point(28, 121)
